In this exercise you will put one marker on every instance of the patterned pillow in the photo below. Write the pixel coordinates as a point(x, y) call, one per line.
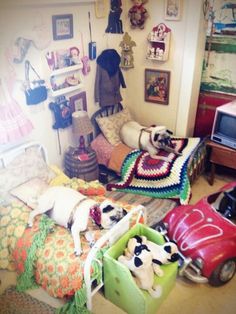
point(110, 126)
point(103, 149)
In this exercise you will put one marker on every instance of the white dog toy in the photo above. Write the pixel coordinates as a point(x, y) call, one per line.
point(161, 253)
point(139, 262)
point(68, 207)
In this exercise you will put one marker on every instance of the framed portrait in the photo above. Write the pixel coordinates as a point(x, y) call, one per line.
point(62, 26)
point(157, 84)
point(78, 102)
point(172, 10)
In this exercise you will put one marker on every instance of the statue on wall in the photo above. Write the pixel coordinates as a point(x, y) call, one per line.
point(115, 25)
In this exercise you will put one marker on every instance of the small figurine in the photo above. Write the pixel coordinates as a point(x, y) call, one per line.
point(138, 14)
point(127, 58)
point(115, 25)
point(74, 56)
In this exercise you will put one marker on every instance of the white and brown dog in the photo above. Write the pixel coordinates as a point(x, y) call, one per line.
point(139, 261)
point(150, 139)
point(161, 253)
point(68, 207)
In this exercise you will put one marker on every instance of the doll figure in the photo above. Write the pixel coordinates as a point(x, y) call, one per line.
point(138, 14)
point(74, 56)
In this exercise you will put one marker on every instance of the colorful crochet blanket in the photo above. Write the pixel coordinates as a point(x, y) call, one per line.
point(141, 174)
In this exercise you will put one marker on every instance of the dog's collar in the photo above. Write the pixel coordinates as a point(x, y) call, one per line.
point(95, 214)
point(73, 211)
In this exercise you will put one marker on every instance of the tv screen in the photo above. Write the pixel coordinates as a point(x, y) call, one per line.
point(227, 125)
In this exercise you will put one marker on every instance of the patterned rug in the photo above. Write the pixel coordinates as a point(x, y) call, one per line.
point(14, 302)
point(156, 208)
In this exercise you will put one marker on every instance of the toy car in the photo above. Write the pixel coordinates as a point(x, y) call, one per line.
point(206, 236)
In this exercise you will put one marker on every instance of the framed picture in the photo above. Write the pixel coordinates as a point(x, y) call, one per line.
point(157, 84)
point(172, 10)
point(78, 102)
point(62, 26)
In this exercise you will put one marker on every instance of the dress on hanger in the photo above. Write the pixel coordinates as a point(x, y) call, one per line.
point(13, 122)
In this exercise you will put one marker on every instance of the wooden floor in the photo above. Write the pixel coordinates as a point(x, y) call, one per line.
point(185, 298)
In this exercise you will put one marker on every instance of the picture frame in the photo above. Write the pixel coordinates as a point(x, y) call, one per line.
point(157, 85)
point(62, 26)
point(172, 10)
point(78, 102)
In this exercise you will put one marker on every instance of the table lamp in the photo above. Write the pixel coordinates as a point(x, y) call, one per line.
point(81, 126)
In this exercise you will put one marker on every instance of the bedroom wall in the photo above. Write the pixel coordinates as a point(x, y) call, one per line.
point(184, 62)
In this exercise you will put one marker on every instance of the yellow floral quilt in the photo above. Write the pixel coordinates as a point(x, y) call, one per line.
point(56, 269)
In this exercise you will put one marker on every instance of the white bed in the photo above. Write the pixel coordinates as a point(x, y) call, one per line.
point(19, 169)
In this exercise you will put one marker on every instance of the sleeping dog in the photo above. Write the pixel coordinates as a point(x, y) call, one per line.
point(150, 139)
point(69, 207)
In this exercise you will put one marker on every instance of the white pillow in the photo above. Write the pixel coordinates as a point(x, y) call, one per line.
point(22, 168)
point(30, 191)
point(110, 126)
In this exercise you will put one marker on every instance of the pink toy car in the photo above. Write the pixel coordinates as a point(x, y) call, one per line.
point(206, 236)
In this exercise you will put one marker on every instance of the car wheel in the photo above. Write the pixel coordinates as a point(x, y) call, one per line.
point(223, 273)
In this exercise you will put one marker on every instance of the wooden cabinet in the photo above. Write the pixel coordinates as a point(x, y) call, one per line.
point(220, 155)
point(207, 104)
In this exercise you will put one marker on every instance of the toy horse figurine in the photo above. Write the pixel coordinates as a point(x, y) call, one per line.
point(114, 21)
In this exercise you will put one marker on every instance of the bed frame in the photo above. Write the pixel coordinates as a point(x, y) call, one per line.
point(8, 155)
point(110, 237)
point(104, 171)
point(106, 111)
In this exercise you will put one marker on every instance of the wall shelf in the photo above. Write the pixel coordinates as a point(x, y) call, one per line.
point(64, 77)
point(159, 43)
point(67, 69)
point(66, 90)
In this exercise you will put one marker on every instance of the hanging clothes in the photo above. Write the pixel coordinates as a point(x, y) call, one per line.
point(108, 79)
point(13, 122)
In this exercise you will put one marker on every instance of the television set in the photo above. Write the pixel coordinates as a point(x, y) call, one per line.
point(224, 126)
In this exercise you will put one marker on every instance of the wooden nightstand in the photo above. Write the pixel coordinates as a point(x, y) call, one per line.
point(76, 166)
point(220, 155)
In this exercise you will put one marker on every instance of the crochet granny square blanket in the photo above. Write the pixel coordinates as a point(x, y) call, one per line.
point(141, 174)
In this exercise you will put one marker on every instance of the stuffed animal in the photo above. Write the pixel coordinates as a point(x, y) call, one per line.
point(138, 259)
point(138, 14)
point(161, 254)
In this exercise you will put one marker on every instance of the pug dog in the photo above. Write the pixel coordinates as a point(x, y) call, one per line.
point(69, 208)
point(150, 139)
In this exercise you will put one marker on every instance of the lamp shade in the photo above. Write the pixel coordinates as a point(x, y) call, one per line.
point(81, 124)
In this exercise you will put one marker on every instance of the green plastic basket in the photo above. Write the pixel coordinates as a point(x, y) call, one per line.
point(120, 287)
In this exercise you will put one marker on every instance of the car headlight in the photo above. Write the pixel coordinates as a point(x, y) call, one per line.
point(198, 262)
